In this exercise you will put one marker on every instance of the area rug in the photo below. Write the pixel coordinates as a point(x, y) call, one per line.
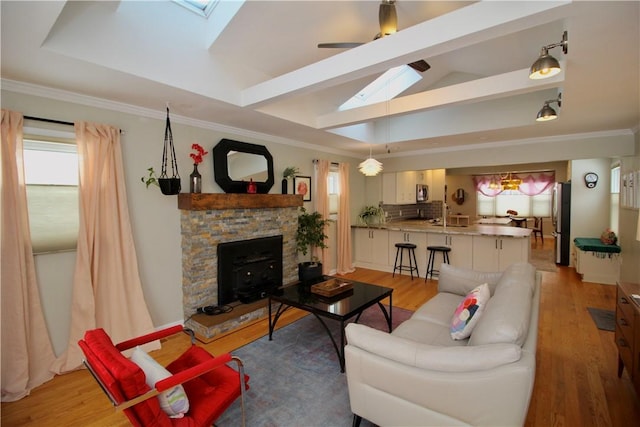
point(296, 378)
point(604, 319)
point(543, 260)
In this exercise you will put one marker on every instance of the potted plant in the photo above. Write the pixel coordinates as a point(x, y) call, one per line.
point(310, 234)
point(288, 173)
point(371, 215)
point(168, 186)
point(150, 179)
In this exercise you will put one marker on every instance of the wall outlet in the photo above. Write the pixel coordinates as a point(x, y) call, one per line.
point(386, 214)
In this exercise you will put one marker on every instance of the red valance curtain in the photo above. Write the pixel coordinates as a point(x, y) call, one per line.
point(532, 184)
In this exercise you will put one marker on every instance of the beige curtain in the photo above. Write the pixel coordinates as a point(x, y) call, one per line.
point(322, 206)
point(345, 264)
point(107, 292)
point(27, 354)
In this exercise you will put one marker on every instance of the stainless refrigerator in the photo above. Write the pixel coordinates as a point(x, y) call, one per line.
point(561, 218)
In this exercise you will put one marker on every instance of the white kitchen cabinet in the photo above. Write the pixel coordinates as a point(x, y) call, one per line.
point(372, 248)
point(417, 238)
point(435, 179)
point(494, 253)
point(461, 245)
point(436, 187)
point(399, 188)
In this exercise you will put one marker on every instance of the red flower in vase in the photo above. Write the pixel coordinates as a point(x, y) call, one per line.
point(199, 153)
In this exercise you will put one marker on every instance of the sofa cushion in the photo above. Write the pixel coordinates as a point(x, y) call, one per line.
point(468, 312)
point(519, 274)
point(439, 358)
point(461, 281)
point(507, 314)
point(438, 309)
point(426, 332)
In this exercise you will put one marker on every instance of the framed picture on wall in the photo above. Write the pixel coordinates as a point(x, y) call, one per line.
point(302, 185)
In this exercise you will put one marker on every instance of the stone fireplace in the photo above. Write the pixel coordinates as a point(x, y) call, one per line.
point(207, 220)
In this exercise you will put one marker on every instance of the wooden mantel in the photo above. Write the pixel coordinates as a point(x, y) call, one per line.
point(217, 201)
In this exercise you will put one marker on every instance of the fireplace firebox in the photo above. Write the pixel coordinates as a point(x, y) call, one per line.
point(249, 269)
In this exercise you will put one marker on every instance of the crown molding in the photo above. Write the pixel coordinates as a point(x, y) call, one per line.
point(76, 98)
point(90, 101)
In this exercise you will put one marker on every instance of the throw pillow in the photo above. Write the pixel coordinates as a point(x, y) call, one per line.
point(173, 401)
point(468, 312)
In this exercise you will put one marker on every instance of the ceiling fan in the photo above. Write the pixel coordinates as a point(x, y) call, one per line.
point(388, 25)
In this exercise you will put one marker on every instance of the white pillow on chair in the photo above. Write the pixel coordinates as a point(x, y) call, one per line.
point(173, 401)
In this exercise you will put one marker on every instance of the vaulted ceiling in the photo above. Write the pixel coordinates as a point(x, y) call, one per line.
point(255, 65)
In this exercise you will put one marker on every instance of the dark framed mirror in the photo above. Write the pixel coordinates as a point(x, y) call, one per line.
point(236, 163)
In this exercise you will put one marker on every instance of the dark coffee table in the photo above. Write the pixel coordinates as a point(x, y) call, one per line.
point(341, 307)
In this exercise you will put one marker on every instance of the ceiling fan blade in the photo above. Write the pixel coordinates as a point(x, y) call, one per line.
point(388, 18)
point(420, 65)
point(344, 45)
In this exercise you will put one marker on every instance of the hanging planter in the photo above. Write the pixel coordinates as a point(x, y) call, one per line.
point(169, 185)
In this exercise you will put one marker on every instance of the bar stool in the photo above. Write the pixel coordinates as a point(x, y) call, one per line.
point(432, 257)
point(400, 248)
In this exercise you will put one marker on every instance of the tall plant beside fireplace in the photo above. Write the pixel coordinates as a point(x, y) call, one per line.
point(310, 234)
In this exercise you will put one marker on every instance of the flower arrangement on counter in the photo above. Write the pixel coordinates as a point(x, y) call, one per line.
point(198, 155)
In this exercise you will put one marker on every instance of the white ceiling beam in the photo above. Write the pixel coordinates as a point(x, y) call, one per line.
point(502, 85)
point(460, 28)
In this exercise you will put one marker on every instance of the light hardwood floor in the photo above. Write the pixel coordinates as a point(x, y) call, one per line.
point(576, 377)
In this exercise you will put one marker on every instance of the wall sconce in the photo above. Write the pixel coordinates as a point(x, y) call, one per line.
point(547, 113)
point(546, 65)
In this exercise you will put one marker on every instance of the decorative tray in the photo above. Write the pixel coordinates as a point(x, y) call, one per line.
point(331, 287)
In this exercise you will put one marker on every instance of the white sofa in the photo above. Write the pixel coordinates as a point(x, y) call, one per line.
point(419, 376)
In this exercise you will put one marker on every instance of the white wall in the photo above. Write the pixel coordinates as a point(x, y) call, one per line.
point(590, 206)
point(628, 225)
point(155, 218)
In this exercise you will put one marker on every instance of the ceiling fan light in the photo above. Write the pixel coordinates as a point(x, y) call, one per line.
point(370, 167)
point(387, 18)
point(546, 114)
point(545, 66)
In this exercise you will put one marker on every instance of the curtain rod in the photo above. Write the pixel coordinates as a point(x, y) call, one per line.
point(40, 119)
point(526, 171)
point(57, 122)
point(333, 163)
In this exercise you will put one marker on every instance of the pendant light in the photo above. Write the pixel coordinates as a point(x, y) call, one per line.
point(547, 113)
point(508, 182)
point(370, 167)
point(546, 65)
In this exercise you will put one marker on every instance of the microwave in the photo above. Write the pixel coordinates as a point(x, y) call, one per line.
point(422, 193)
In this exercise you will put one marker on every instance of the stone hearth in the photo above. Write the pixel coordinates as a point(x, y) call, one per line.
point(209, 219)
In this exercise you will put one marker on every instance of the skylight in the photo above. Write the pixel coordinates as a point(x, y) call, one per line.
point(386, 87)
point(201, 7)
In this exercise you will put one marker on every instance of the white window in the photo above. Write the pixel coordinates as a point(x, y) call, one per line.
point(615, 198)
point(526, 206)
point(200, 7)
point(386, 87)
point(51, 177)
point(333, 188)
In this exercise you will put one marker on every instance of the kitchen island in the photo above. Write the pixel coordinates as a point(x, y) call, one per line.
point(479, 247)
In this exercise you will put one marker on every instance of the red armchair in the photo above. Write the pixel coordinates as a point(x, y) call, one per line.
point(210, 385)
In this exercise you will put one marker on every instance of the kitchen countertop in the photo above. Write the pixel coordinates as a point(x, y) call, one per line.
point(471, 230)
